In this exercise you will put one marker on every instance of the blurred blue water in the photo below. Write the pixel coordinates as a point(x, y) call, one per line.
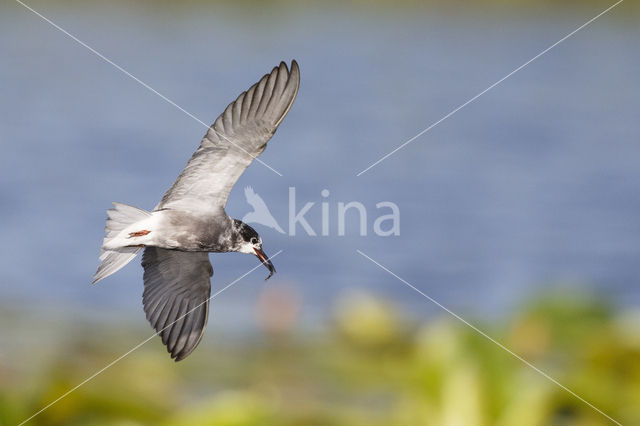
point(534, 185)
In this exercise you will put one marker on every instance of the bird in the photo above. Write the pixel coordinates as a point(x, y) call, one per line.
point(190, 221)
point(260, 213)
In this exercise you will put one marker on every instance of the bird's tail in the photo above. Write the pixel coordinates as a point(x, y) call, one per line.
point(120, 216)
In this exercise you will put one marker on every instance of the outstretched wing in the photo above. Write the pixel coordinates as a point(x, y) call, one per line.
point(236, 138)
point(176, 297)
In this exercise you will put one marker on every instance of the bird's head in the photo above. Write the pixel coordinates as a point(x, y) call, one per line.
point(251, 243)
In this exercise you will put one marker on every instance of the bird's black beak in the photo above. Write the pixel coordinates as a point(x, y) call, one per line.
point(260, 254)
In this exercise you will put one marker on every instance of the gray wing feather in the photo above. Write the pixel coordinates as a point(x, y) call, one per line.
point(236, 138)
point(176, 297)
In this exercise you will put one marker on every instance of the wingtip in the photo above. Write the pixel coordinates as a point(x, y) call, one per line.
point(295, 70)
point(178, 356)
point(291, 88)
point(97, 277)
point(292, 70)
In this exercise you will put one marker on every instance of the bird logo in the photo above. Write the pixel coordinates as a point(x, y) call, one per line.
point(260, 214)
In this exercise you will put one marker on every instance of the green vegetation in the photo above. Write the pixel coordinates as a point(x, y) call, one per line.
point(371, 366)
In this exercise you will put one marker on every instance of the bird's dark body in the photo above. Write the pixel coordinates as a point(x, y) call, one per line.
point(194, 232)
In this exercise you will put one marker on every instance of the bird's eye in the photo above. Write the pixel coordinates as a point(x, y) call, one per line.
point(254, 240)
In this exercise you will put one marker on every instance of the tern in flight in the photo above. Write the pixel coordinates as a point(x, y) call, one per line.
point(191, 221)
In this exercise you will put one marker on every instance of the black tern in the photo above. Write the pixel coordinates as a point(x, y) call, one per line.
point(190, 221)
